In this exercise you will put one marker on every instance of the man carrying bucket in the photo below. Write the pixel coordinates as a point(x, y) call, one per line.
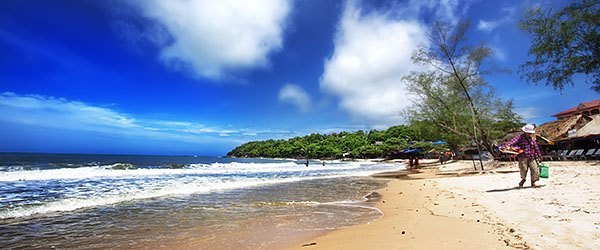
point(531, 151)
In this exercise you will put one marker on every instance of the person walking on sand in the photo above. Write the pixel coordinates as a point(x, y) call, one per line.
point(531, 152)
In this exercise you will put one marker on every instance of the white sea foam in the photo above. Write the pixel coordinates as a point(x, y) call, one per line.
point(115, 186)
point(171, 188)
point(101, 172)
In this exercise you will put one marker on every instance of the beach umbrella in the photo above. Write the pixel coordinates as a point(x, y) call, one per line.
point(411, 150)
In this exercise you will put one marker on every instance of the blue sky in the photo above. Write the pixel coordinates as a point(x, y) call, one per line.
point(200, 77)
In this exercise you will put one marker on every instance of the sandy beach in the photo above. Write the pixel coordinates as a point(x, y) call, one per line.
point(452, 206)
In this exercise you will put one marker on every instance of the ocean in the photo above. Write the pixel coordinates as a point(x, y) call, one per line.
point(78, 201)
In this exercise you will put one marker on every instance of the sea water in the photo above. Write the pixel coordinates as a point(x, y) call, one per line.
point(131, 201)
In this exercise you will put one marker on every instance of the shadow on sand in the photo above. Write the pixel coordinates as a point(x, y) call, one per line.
point(512, 188)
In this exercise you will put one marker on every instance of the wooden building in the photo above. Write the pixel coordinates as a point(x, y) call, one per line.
point(585, 108)
point(576, 129)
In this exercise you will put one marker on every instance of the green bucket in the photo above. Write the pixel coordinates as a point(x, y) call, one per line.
point(544, 170)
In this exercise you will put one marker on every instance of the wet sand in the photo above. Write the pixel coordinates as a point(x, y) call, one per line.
point(429, 209)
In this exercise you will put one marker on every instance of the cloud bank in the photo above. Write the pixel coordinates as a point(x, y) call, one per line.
point(372, 53)
point(295, 95)
point(214, 38)
point(62, 114)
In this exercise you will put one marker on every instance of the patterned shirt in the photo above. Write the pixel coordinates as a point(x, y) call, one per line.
point(530, 147)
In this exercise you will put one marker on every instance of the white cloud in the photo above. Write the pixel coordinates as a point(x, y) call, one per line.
point(294, 94)
point(372, 53)
point(497, 47)
point(508, 15)
point(59, 113)
point(487, 26)
point(214, 38)
point(529, 113)
point(499, 53)
point(449, 11)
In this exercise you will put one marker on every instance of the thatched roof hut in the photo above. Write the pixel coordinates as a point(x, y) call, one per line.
point(559, 130)
point(591, 128)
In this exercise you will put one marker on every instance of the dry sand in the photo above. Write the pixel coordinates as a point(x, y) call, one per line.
point(563, 214)
point(427, 209)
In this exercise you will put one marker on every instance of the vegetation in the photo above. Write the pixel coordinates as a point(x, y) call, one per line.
point(453, 101)
point(359, 144)
point(564, 44)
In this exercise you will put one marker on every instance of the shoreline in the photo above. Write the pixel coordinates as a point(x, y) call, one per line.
point(409, 221)
point(429, 208)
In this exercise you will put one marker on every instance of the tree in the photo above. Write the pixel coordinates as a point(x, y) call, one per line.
point(428, 131)
point(359, 144)
point(564, 44)
point(452, 94)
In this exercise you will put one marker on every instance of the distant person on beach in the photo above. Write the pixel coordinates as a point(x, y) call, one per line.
point(531, 152)
point(413, 159)
point(442, 159)
point(449, 155)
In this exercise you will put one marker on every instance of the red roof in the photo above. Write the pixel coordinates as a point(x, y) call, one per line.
point(581, 106)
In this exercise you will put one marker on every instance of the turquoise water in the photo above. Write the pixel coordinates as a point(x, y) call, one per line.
point(105, 201)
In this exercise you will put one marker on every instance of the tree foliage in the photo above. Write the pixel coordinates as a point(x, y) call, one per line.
point(563, 44)
point(358, 144)
point(452, 95)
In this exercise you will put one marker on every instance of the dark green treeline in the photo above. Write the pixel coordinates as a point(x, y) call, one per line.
point(359, 144)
